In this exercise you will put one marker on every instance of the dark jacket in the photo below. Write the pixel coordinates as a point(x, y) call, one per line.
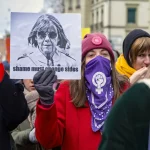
point(13, 109)
point(127, 125)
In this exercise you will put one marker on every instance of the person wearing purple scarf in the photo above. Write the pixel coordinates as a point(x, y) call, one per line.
point(74, 115)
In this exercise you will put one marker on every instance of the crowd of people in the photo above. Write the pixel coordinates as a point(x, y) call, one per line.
point(107, 109)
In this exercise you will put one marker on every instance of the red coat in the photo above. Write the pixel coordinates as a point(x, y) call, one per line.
point(64, 124)
point(1, 72)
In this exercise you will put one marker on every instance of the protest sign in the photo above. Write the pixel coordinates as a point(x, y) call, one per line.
point(39, 41)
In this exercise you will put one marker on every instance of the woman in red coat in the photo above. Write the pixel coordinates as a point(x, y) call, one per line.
point(73, 117)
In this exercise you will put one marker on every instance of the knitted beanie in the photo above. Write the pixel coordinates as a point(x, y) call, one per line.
point(94, 41)
point(129, 40)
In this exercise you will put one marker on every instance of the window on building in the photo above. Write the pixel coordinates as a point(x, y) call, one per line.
point(78, 4)
point(131, 16)
point(97, 16)
point(97, 19)
point(102, 17)
point(92, 17)
point(92, 23)
point(70, 5)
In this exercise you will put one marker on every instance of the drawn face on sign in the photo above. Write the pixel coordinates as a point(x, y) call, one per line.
point(47, 41)
point(48, 36)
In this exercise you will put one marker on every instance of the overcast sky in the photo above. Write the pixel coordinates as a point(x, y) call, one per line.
point(8, 6)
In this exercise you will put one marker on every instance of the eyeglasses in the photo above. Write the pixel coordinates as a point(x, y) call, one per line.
point(51, 35)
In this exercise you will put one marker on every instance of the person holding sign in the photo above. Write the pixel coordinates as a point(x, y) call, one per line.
point(47, 35)
point(73, 117)
point(135, 60)
point(13, 108)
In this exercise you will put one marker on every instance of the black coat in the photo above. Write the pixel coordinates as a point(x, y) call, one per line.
point(13, 110)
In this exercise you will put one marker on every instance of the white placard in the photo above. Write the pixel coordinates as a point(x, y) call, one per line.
point(45, 40)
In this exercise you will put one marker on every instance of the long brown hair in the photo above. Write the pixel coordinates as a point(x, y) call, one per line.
point(78, 88)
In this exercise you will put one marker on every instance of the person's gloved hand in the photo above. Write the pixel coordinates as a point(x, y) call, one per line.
point(43, 82)
point(32, 137)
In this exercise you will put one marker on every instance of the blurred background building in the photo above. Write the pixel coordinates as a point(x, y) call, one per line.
point(79, 6)
point(114, 18)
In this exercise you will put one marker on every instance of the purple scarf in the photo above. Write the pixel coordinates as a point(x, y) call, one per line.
point(99, 90)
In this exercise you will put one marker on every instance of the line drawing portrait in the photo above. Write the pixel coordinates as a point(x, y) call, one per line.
point(47, 37)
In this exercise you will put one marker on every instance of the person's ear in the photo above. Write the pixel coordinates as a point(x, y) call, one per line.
point(130, 58)
point(131, 61)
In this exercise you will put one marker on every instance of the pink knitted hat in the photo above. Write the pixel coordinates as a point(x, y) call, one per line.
point(94, 41)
